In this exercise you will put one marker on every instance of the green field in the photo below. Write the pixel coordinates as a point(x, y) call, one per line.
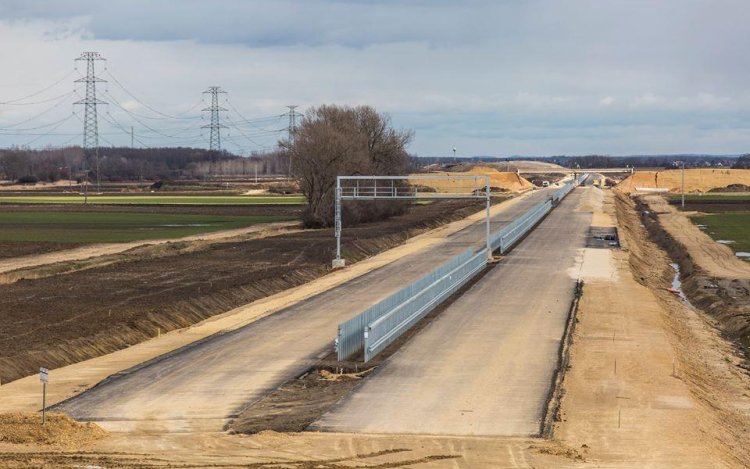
point(728, 226)
point(92, 227)
point(154, 200)
point(725, 197)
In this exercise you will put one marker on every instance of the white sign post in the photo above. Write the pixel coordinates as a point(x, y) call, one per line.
point(44, 379)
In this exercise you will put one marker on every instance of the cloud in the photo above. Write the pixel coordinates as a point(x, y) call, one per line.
point(495, 77)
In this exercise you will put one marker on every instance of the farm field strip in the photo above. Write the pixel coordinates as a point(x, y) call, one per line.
point(732, 229)
point(106, 227)
point(155, 200)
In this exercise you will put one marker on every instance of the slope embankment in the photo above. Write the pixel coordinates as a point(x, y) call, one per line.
point(696, 180)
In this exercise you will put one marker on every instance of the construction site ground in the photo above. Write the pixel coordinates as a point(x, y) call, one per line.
point(650, 384)
point(115, 302)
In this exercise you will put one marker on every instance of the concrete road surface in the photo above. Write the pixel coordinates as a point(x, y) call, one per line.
point(202, 386)
point(485, 365)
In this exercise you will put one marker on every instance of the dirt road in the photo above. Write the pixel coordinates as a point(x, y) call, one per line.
point(486, 364)
point(716, 259)
point(96, 250)
point(206, 384)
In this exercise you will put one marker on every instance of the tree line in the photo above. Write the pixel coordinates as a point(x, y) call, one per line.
point(118, 164)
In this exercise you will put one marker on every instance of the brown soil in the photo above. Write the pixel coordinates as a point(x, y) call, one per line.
point(299, 402)
point(9, 249)
point(64, 319)
point(511, 182)
point(696, 180)
point(711, 367)
point(59, 429)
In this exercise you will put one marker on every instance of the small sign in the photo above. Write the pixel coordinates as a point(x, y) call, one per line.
point(44, 375)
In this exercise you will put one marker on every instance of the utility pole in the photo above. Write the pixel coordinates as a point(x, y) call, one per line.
point(291, 129)
point(683, 185)
point(215, 126)
point(90, 124)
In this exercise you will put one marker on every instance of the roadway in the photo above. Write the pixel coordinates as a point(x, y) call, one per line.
point(201, 387)
point(485, 366)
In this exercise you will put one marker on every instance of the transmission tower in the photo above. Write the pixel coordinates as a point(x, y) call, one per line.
point(290, 129)
point(292, 121)
point(90, 101)
point(215, 125)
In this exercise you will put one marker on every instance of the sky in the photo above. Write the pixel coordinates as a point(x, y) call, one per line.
point(488, 77)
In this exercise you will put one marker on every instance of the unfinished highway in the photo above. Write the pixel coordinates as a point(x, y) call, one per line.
point(485, 366)
point(201, 386)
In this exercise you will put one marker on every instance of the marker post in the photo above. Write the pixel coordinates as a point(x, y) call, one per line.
point(44, 379)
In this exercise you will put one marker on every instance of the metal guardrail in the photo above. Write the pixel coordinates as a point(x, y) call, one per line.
point(383, 331)
point(350, 338)
point(379, 325)
point(504, 239)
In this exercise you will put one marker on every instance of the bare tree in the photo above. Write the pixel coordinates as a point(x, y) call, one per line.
point(340, 140)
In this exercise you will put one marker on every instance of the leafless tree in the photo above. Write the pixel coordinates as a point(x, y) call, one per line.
point(338, 141)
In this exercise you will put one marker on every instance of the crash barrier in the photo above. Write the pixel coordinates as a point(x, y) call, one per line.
point(350, 337)
point(504, 239)
point(582, 178)
point(379, 325)
point(381, 332)
point(562, 192)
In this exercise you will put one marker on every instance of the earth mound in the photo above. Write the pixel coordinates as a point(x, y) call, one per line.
point(696, 180)
point(26, 427)
point(505, 182)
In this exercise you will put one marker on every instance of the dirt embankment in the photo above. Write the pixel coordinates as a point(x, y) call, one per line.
point(56, 321)
point(696, 180)
point(506, 182)
point(711, 366)
point(712, 277)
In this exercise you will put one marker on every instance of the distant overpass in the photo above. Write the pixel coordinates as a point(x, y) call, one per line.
point(584, 170)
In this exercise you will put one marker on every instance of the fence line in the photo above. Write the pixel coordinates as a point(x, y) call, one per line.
point(350, 338)
point(383, 331)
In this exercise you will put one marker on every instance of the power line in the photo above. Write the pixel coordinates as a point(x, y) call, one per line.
point(41, 113)
point(135, 117)
point(48, 133)
point(38, 102)
point(166, 116)
point(40, 91)
point(2, 132)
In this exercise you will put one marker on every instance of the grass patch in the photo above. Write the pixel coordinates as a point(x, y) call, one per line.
point(728, 226)
point(154, 200)
point(713, 203)
point(106, 227)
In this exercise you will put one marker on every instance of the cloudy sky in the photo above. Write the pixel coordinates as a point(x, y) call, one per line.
point(495, 77)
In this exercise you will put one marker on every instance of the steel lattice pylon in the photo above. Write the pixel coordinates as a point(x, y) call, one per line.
point(215, 126)
point(90, 101)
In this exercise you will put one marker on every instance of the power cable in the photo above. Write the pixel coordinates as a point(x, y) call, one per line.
point(40, 114)
point(42, 90)
point(177, 116)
